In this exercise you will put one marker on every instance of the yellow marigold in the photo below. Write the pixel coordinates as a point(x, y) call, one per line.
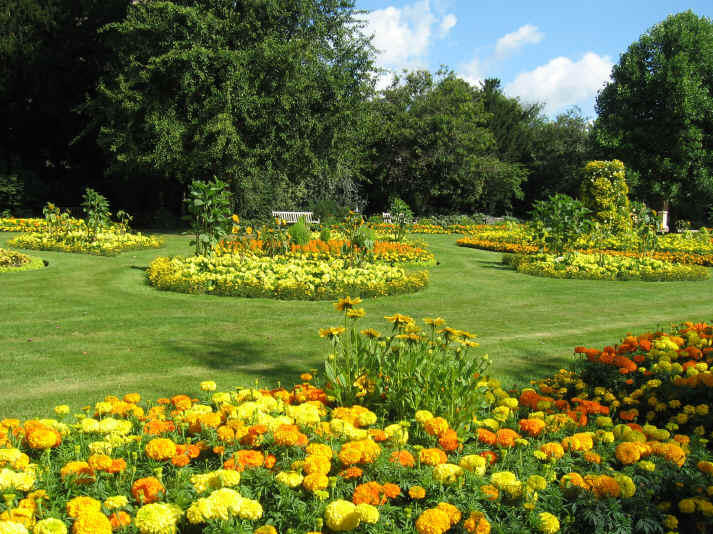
point(433, 521)
point(291, 479)
point(161, 449)
point(265, 529)
point(687, 506)
point(158, 518)
point(116, 502)
point(627, 453)
point(50, 526)
point(423, 415)
point(705, 467)
point(474, 463)
point(367, 513)
point(507, 481)
point(10, 527)
point(92, 523)
point(82, 505)
point(547, 523)
point(320, 449)
point(43, 437)
point(626, 485)
point(317, 464)
point(315, 481)
point(582, 441)
point(447, 473)
point(250, 509)
point(416, 492)
point(432, 456)
point(436, 426)
point(477, 523)
point(453, 513)
point(100, 462)
point(341, 515)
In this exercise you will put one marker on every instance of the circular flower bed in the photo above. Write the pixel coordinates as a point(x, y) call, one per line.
point(12, 261)
point(604, 267)
point(622, 441)
point(281, 277)
point(105, 243)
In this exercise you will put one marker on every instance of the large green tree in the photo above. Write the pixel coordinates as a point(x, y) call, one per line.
point(51, 59)
point(266, 95)
point(656, 113)
point(429, 144)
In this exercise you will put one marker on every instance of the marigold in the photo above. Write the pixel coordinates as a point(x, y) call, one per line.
point(351, 473)
point(341, 516)
point(449, 440)
point(477, 524)
point(147, 490)
point(506, 437)
point(416, 492)
point(315, 482)
point(50, 526)
point(432, 456)
point(158, 518)
point(119, 520)
point(92, 523)
point(486, 436)
point(433, 521)
point(403, 457)
point(454, 515)
point(547, 523)
point(603, 486)
point(82, 505)
point(532, 427)
point(436, 426)
point(160, 449)
point(553, 450)
point(627, 452)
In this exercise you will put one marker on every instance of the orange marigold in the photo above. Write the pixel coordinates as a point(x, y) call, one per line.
point(351, 473)
point(506, 437)
point(147, 490)
point(161, 449)
point(119, 520)
point(453, 513)
point(436, 426)
point(486, 436)
point(552, 450)
point(449, 440)
point(417, 492)
point(627, 452)
point(603, 486)
point(477, 523)
point(433, 521)
point(432, 456)
point(403, 457)
point(532, 427)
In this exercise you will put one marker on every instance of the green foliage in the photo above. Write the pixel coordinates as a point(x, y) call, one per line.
point(12, 258)
point(210, 206)
point(96, 210)
point(267, 95)
point(400, 213)
point(429, 144)
point(329, 209)
point(325, 234)
point(299, 232)
point(59, 222)
point(11, 192)
point(645, 225)
point(559, 221)
point(605, 193)
point(411, 369)
point(657, 113)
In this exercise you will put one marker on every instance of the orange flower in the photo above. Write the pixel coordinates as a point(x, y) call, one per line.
point(244, 459)
point(603, 486)
point(391, 490)
point(486, 436)
point(436, 426)
point(119, 520)
point(181, 402)
point(532, 427)
point(627, 453)
point(368, 493)
point(448, 440)
point(592, 457)
point(506, 437)
point(490, 492)
point(405, 458)
point(477, 524)
point(147, 490)
point(156, 427)
point(351, 473)
point(270, 461)
point(377, 434)
point(160, 449)
point(81, 470)
point(451, 511)
point(490, 456)
point(553, 450)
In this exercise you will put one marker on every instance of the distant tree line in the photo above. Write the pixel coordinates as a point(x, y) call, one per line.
point(277, 98)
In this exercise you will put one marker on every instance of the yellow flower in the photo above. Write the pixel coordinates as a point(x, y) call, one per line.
point(158, 518)
point(208, 385)
point(433, 521)
point(62, 409)
point(341, 515)
point(347, 303)
point(547, 523)
point(367, 513)
point(50, 526)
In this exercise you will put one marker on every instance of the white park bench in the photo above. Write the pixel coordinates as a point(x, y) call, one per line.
point(291, 217)
point(387, 217)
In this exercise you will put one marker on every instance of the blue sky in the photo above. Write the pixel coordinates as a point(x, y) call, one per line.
point(559, 53)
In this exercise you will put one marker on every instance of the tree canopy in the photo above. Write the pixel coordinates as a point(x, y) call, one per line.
point(656, 114)
point(266, 95)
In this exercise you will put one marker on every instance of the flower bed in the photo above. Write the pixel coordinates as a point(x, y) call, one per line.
point(604, 267)
point(316, 249)
point(13, 261)
point(622, 442)
point(106, 243)
point(13, 224)
point(280, 277)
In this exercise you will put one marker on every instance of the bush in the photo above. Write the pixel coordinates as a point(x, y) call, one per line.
point(299, 232)
point(559, 221)
point(606, 194)
point(325, 234)
point(210, 208)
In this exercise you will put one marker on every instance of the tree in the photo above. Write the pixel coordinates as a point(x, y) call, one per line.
point(430, 146)
point(656, 113)
point(51, 60)
point(264, 95)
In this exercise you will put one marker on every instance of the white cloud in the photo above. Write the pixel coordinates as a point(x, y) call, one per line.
point(403, 36)
point(473, 72)
point(527, 34)
point(562, 82)
point(447, 24)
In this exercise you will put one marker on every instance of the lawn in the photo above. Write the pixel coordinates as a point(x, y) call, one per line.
point(89, 326)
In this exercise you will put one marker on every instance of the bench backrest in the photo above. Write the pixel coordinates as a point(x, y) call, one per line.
point(292, 217)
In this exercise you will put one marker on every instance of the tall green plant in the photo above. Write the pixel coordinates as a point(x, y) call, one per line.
point(559, 221)
point(96, 211)
point(410, 369)
point(210, 207)
point(606, 194)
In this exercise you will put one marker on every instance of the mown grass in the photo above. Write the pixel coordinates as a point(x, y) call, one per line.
point(90, 326)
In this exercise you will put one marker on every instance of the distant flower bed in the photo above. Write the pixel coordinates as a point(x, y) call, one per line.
point(605, 267)
point(281, 277)
point(12, 261)
point(418, 228)
point(105, 243)
point(316, 249)
point(13, 224)
point(621, 442)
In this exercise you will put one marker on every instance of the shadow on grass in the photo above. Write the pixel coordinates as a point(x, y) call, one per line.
point(140, 268)
point(497, 265)
point(259, 360)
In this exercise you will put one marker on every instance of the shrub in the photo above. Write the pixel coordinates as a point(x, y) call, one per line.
point(559, 221)
point(299, 232)
point(11, 260)
point(325, 234)
point(96, 210)
point(606, 194)
point(210, 208)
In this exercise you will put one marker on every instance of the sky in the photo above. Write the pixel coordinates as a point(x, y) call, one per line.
point(553, 52)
